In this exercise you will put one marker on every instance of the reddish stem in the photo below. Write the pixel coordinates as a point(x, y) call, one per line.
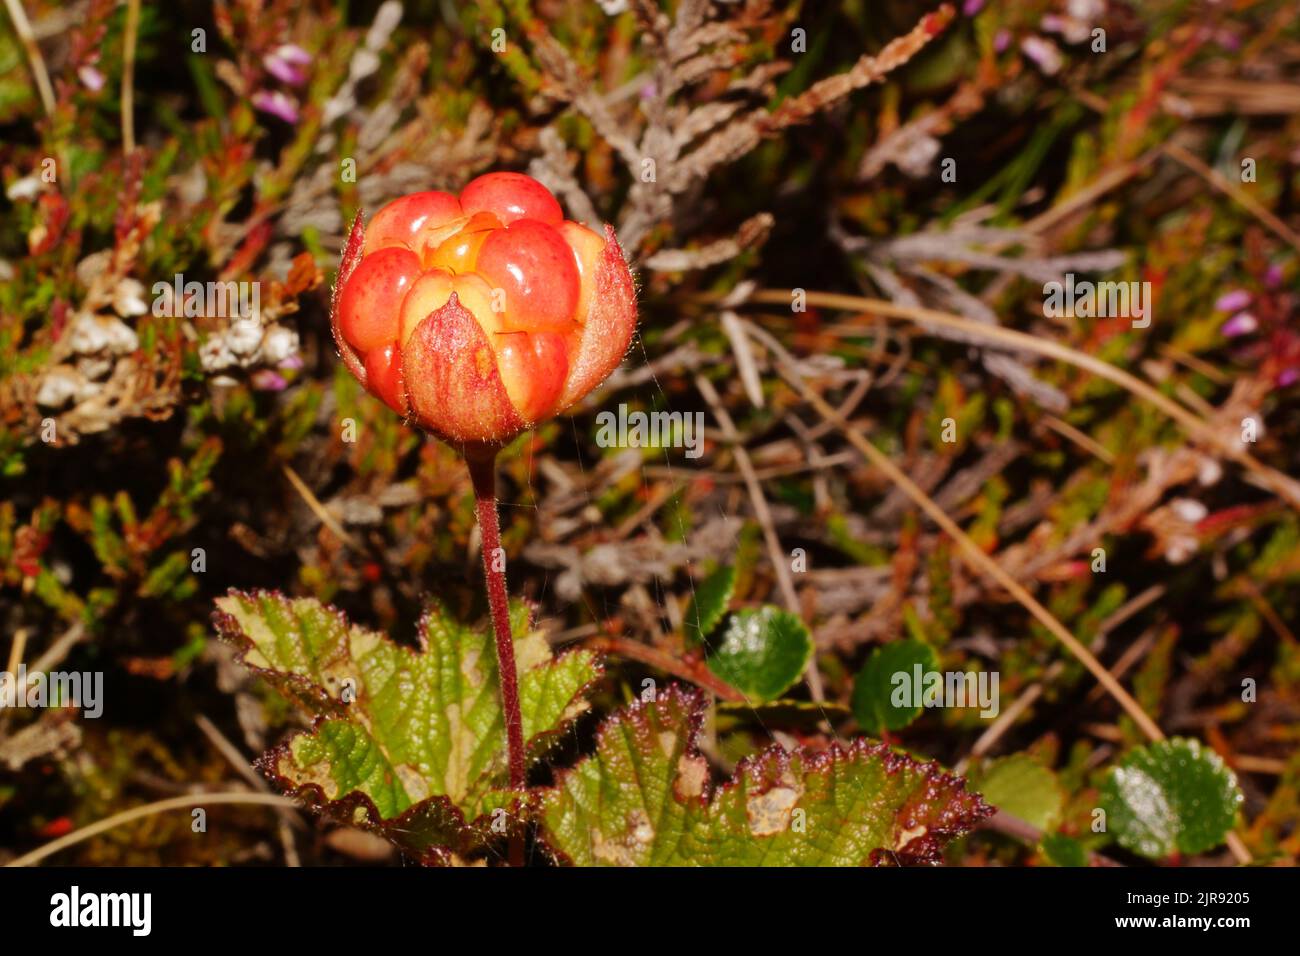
point(482, 472)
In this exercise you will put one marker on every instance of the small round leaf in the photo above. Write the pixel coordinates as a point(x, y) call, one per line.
point(709, 603)
point(761, 652)
point(1174, 795)
point(876, 687)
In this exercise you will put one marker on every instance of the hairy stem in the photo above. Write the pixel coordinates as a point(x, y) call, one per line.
point(482, 472)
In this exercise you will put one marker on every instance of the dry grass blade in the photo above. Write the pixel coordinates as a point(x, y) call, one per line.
point(318, 509)
point(1283, 486)
point(23, 27)
point(128, 76)
point(978, 559)
point(969, 549)
point(149, 809)
point(984, 564)
point(1233, 192)
point(764, 515)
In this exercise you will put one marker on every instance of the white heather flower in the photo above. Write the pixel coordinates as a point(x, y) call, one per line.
point(215, 354)
point(1189, 510)
point(279, 344)
point(1209, 471)
point(244, 338)
point(128, 298)
point(29, 187)
point(60, 385)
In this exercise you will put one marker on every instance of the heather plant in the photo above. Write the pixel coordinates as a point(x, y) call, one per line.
point(649, 434)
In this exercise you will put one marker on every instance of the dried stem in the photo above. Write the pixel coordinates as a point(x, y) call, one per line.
point(128, 76)
point(149, 809)
point(23, 27)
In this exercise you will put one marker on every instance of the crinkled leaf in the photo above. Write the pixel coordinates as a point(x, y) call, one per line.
point(1023, 787)
point(761, 652)
point(645, 799)
point(413, 740)
point(712, 595)
point(875, 687)
point(1171, 795)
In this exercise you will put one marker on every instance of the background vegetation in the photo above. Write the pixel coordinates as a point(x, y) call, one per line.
point(149, 463)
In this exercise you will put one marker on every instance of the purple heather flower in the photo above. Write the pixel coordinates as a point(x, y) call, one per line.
point(91, 78)
point(285, 63)
point(266, 380)
point(1233, 301)
point(278, 104)
point(1043, 52)
point(972, 7)
point(1273, 276)
point(293, 53)
point(1243, 323)
point(1002, 40)
point(1289, 376)
point(292, 362)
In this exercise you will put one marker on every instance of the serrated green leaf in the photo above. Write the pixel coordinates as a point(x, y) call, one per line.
point(761, 652)
point(1173, 795)
point(401, 733)
point(712, 595)
point(1023, 787)
point(645, 799)
point(874, 687)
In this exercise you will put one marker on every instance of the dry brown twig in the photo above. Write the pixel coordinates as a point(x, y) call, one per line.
point(669, 146)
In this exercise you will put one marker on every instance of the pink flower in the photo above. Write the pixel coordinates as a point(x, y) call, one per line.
point(1233, 301)
point(285, 64)
point(292, 53)
point(1228, 40)
point(267, 380)
point(91, 78)
point(1243, 323)
point(1289, 376)
point(1043, 52)
point(972, 7)
point(278, 104)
